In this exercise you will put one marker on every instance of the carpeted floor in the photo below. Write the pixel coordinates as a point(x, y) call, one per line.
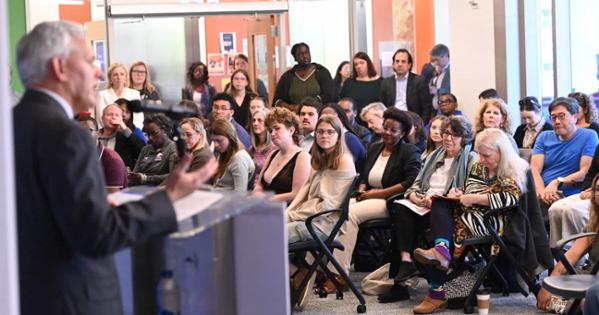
point(514, 304)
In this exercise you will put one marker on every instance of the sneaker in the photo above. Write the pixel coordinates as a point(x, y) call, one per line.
point(406, 271)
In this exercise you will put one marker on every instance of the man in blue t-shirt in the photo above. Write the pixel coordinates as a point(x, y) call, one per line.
point(562, 157)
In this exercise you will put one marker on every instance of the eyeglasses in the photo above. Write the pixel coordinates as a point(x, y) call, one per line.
point(450, 134)
point(138, 72)
point(328, 132)
point(560, 117)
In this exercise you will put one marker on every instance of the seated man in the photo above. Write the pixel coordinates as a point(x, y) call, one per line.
point(222, 107)
point(561, 157)
point(448, 105)
point(116, 135)
point(349, 107)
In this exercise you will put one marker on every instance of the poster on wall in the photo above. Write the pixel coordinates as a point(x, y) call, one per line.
point(100, 52)
point(227, 43)
point(216, 64)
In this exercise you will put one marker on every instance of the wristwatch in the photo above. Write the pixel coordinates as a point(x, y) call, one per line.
point(560, 181)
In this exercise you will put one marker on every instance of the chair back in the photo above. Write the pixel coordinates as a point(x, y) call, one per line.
point(344, 214)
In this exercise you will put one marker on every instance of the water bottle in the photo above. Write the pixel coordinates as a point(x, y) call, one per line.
point(168, 294)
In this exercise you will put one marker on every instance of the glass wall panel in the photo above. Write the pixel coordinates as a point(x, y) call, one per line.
point(546, 51)
point(584, 31)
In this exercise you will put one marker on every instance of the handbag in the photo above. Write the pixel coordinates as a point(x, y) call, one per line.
point(461, 285)
point(377, 282)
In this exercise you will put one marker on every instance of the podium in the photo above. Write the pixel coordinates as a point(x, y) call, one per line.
point(230, 258)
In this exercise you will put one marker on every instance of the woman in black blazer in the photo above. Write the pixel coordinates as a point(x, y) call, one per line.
point(391, 167)
point(532, 114)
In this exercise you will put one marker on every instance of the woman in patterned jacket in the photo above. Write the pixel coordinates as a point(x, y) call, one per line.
point(496, 181)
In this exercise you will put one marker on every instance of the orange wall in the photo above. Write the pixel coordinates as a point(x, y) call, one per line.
point(425, 31)
point(75, 13)
point(382, 24)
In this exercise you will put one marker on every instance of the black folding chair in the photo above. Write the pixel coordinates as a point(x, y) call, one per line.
point(322, 251)
point(573, 285)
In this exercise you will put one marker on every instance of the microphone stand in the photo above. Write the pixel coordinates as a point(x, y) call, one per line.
point(179, 141)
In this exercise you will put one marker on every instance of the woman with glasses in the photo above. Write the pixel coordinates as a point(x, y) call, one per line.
point(390, 168)
point(531, 113)
point(241, 92)
point(235, 166)
point(587, 117)
point(329, 181)
point(495, 181)
point(445, 168)
point(139, 79)
point(155, 159)
point(196, 144)
point(288, 167)
point(352, 141)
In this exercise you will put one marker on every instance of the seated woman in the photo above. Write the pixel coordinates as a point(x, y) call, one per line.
point(587, 117)
point(580, 247)
point(352, 141)
point(435, 136)
point(329, 181)
point(531, 113)
point(446, 168)
point(235, 166)
point(256, 102)
point(417, 135)
point(288, 167)
point(497, 180)
point(155, 159)
point(196, 144)
point(260, 137)
point(391, 167)
point(372, 115)
point(493, 113)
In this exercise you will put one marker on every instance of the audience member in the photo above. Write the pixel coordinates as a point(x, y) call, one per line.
point(493, 113)
point(198, 89)
point(561, 157)
point(262, 145)
point(128, 119)
point(581, 247)
point(115, 171)
point(304, 79)
point(222, 107)
point(531, 113)
point(446, 169)
point(235, 166)
point(351, 140)
point(435, 136)
point(348, 106)
point(587, 116)
point(117, 136)
point(441, 81)
point(344, 72)
point(241, 62)
point(256, 103)
point(155, 159)
point(241, 93)
point(406, 90)
point(308, 115)
point(118, 83)
point(488, 94)
point(496, 181)
point(417, 135)
point(288, 167)
point(372, 114)
point(391, 167)
point(139, 79)
point(196, 142)
point(448, 104)
point(329, 181)
point(364, 85)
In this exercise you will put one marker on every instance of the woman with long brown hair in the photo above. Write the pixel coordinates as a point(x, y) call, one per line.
point(365, 84)
point(240, 90)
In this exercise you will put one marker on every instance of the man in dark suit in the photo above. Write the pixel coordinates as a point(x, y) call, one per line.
point(67, 231)
point(406, 90)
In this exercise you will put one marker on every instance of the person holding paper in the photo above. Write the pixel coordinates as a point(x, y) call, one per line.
point(444, 169)
point(67, 231)
point(495, 181)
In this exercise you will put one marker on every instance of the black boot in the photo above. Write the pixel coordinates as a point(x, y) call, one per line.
point(397, 293)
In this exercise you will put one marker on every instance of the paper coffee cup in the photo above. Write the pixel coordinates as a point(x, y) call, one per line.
point(484, 301)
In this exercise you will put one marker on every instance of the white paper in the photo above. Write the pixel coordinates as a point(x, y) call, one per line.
point(418, 210)
point(195, 203)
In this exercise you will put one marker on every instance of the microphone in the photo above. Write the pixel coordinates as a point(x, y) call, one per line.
point(148, 106)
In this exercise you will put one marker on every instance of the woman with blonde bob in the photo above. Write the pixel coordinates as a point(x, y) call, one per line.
point(329, 181)
point(493, 113)
point(235, 166)
point(118, 87)
point(139, 79)
point(497, 180)
point(196, 143)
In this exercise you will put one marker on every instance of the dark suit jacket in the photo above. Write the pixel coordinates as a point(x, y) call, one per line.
point(519, 134)
point(67, 231)
point(402, 168)
point(418, 97)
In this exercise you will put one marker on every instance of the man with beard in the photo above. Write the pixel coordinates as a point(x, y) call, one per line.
point(304, 79)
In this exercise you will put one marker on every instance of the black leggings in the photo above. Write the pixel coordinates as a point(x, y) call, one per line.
point(407, 227)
